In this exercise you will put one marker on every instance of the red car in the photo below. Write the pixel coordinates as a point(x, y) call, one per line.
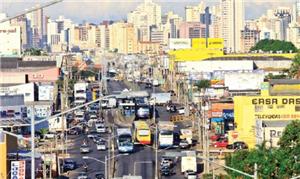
point(221, 144)
point(217, 137)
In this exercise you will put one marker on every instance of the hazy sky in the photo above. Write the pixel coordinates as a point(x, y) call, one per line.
point(97, 10)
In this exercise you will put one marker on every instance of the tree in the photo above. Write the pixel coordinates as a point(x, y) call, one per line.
point(34, 52)
point(282, 162)
point(202, 84)
point(267, 45)
point(43, 131)
point(295, 67)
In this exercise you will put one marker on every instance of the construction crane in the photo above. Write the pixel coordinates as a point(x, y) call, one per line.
point(31, 10)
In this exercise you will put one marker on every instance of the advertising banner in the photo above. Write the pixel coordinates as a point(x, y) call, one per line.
point(18, 169)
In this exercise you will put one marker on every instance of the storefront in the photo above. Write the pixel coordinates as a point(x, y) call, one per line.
point(259, 117)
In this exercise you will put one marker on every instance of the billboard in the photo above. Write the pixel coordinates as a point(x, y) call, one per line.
point(244, 80)
point(18, 169)
point(46, 92)
point(182, 43)
point(213, 43)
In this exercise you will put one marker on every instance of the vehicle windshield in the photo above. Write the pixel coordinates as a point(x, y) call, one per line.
point(164, 132)
point(143, 132)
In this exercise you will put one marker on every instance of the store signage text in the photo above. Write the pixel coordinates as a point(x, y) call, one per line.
point(277, 116)
point(270, 101)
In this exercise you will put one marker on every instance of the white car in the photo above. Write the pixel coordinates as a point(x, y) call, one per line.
point(49, 135)
point(101, 145)
point(181, 110)
point(84, 149)
point(100, 127)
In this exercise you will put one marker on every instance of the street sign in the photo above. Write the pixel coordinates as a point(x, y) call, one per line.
point(18, 169)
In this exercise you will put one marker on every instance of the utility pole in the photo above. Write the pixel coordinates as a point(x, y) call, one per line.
point(32, 143)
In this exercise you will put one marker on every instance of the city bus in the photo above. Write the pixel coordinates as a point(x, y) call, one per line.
point(124, 140)
point(166, 135)
point(142, 133)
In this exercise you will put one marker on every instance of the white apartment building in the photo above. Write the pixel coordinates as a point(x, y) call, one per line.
point(232, 23)
point(192, 13)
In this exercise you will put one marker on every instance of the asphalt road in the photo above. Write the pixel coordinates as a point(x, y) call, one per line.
point(141, 162)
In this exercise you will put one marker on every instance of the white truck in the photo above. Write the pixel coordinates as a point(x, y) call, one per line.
point(80, 90)
point(160, 98)
point(56, 124)
point(166, 134)
point(188, 162)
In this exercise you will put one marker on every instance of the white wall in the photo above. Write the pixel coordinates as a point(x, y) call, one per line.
point(26, 89)
point(244, 80)
point(215, 65)
point(10, 40)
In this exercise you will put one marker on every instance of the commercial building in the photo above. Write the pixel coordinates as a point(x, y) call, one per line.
point(263, 118)
point(11, 39)
point(191, 30)
point(123, 37)
point(7, 144)
point(232, 23)
point(192, 13)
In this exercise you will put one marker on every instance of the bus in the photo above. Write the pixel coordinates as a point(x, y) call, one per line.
point(165, 136)
point(142, 133)
point(124, 140)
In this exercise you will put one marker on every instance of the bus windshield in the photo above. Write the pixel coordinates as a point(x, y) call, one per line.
point(143, 132)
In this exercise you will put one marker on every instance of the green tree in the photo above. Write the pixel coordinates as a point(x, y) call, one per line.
point(282, 162)
point(34, 52)
point(202, 84)
point(43, 131)
point(295, 67)
point(268, 45)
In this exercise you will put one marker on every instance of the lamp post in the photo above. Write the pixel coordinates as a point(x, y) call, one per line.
point(103, 162)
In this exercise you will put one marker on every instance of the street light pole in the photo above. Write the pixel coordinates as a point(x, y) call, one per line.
point(32, 143)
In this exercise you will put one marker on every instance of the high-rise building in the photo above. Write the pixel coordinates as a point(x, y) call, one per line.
point(232, 23)
point(192, 13)
point(284, 16)
point(22, 22)
point(52, 30)
point(145, 16)
point(37, 23)
point(191, 30)
point(156, 35)
point(122, 37)
point(293, 34)
point(249, 37)
point(216, 22)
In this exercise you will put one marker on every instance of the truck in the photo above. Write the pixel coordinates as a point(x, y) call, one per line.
point(56, 124)
point(166, 135)
point(188, 162)
point(160, 98)
point(186, 134)
point(80, 92)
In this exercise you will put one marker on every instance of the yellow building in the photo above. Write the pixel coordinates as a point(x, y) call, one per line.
point(122, 37)
point(264, 117)
point(3, 159)
point(199, 52)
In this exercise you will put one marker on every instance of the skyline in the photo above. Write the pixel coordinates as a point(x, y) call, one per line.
point(102, 10)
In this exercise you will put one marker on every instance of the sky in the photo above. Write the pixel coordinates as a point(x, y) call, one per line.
point(97, 10)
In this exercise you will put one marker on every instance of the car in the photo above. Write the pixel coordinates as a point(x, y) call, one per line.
point(237, 145)
point(99, 176)
point(100, 127)
point(84, 148)
point(181, 110)
point(217, 137)
point(75, 131)
point(82, 176)
point(50, 135)
point(166, 171)
point(221, 143)
point(166, 162)
point(92, 134)
point(69, 164)
point(172, 92)
point(148, 85)
point(101, 145)
point(171, 108)
point(183, 144)
point(190, 174)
